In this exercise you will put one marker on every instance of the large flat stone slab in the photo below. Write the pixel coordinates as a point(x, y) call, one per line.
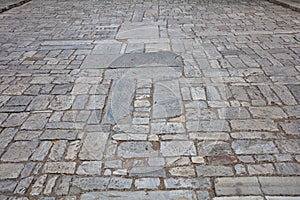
point(152, 59)
point(116, 195)
point(167, 101)
point(138, 31)
point(144, 73)
point(119, 108)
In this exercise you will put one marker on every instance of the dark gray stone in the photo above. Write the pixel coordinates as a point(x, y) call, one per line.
point(153, 59)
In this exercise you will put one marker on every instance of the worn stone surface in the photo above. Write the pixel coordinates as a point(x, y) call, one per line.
point(149, 100)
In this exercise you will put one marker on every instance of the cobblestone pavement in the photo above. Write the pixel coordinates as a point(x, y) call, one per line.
point(150, 100)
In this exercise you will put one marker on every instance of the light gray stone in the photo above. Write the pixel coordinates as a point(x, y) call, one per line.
point(153, 59)
point(213, 148)
point(15, 119)
point(208, 126)
point(61, 102)
point(254, 125)
point(138, 31)
point(19, 151)
point(269, 112)
point(291, 127)
point(57, 150)
point(59, 135)
point(185, 183)
point(98, 61)
point(59, 167)
point(254, 147)
point(288, 168)
point(148, 171)
point(137, 195)
point(42, 151)
point(178, 148)
point(147, 183)
point(93, 146)
point(7, 186)
point(167, 128)
point(167, 100)
point(23, 185)
point(89, 168)
point(214, 171)
point(280, 185)
point(136, 149)
point(237, 186)
point(119, 107)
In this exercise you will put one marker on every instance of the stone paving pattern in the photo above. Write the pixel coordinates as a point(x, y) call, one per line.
point(150, 100)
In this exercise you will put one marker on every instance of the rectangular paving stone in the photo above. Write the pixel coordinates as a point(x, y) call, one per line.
point(93, 146)
point(36, 121)
point(59, 167)
point(288, 168)
point(240, 197)
point(280, 185)
point(214, 171)
point(137, 195)
point(59, 135)
point(237, 186)
point(7, 186)
point(15, 119)
point(8, 170)
point(208, 126)
point(254, 147)
point(136, 149)
point(254, 125)
point(178, 148)
point(106, 49)
point(147, 183)
point(148, 171)
point(184, 183)
point(167, 99)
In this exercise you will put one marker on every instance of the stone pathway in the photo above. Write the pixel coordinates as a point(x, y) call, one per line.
point(150, 100)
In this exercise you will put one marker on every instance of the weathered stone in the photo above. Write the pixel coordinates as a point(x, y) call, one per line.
point(89, 168)
point(57, 150)
point(50, 185)
point(280, 185)
point(178, 148)
point(254, 147)
point(108, 48)
point(136, 149)
point(167, 99)
point(63, 187)
point(153, 59)
point(59, 135)
point(148, 171)
point(233, 113)
point(59, 167)
point(127, 137)
point(254, 125)
point(186, 171)
point(180, 183)
point(23, 185)
point(93, 146)
point(40, 102)
point(137, 195)
point(291, 127)
point(138, 31)
point(270, 112)
point(289, 146)
point(38, 185)
point(98, 61)
point(119, 106)
point(61, 102)
point(261, 169)
point(19, 151)
point(15, 119)
point(237, 186)
point(147, 183)
point(36, 121)
point(42, 151)
point(167, 128)
point(7, 186)
point(213, 148)
point(288, 168)
point(208, 126)
point(214, 171)
point(6, 136)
